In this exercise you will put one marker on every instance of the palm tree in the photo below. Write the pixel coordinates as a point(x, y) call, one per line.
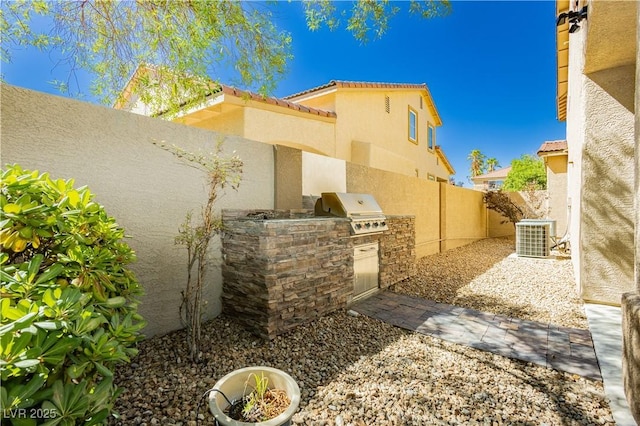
point(492, 164)
point(477, 159)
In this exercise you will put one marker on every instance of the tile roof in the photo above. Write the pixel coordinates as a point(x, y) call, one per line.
point(553, 146)
point(358, 85)
point(217, 88)
point(229, 90)
point(500, 173)
point(371, 85)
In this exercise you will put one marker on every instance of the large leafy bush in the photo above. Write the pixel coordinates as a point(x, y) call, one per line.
point(68, 309)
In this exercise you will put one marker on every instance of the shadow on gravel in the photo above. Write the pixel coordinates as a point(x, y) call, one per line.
point(562, 390)
point(161, 383)
point(496, 305)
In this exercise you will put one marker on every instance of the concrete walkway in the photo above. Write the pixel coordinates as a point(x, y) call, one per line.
point(605, 324)
point(595, 353)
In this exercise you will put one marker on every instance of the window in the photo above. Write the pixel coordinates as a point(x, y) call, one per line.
point(495, 184)
point(387, 105)
point(421, 103)
point(413, 126)
point(431, 139)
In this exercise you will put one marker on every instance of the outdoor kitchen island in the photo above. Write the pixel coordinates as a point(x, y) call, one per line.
point(283, 268)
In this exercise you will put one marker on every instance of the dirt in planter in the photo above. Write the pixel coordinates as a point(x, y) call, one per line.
point(274, 403)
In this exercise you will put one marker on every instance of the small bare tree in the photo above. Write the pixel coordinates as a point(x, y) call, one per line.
point(500, 202)
point(195, 236)
point(532, 208)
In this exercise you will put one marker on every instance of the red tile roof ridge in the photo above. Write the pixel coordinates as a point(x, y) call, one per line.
point(230, 90)
point(358, 85)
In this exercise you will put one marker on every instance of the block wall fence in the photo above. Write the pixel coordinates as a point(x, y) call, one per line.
point(149, 191)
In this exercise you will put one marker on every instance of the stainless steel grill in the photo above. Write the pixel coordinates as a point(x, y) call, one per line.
point(362, 209)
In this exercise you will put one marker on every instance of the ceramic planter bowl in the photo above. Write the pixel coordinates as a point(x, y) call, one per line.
point(233, 386)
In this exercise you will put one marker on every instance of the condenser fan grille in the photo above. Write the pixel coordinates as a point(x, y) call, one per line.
point(532, 240)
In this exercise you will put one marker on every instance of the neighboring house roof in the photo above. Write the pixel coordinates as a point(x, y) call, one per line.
point(552, 147)
point(494, 175)
point(217, 89)
point(370, 85)
point(445, 160)
point(228, 90)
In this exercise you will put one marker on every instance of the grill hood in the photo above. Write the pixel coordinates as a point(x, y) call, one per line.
point(363, 210)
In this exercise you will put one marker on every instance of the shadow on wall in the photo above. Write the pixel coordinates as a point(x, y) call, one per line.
point(618, 85)
point(607, 212)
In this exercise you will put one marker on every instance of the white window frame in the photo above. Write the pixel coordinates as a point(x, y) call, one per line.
point(431, 137)
point(412, 129)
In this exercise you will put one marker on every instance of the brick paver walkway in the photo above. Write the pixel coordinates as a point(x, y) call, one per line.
point(560, 348)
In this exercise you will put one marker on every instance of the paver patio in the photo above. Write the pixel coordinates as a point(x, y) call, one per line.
point(561, 348)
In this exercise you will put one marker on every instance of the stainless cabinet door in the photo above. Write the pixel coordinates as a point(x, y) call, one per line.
point(365, 268)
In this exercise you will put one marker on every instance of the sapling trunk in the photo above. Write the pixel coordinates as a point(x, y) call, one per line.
point(220, 172)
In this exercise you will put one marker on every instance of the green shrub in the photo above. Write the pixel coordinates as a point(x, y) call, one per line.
point(68, 302)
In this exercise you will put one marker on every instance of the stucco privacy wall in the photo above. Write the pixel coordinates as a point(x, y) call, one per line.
point(402, 195)
point(446, 216)
point(145, 188)
point(459, 227)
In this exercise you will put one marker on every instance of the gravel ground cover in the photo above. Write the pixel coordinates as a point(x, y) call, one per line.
point(354, 370)
point(482, 276)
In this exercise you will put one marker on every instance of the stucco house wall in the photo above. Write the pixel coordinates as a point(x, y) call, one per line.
point(365, 123)
point(600, 136)
point(603, 134)
point(145, 188)
point(631, 300)
point(363, 118)
point(575, 140)
point(270, 124)
point(303, 131)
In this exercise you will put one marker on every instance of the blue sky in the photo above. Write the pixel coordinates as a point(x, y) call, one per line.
point(490, 67)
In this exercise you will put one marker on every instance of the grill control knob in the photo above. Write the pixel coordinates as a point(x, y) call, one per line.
point(375, 224)
point(383, 223)
point(358, 226)
point(367, 225)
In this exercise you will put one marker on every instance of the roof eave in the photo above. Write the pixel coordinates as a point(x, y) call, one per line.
point(445, 160)
point(562, 61)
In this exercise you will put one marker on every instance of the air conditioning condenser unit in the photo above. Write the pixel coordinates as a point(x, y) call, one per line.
point(533, 239)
